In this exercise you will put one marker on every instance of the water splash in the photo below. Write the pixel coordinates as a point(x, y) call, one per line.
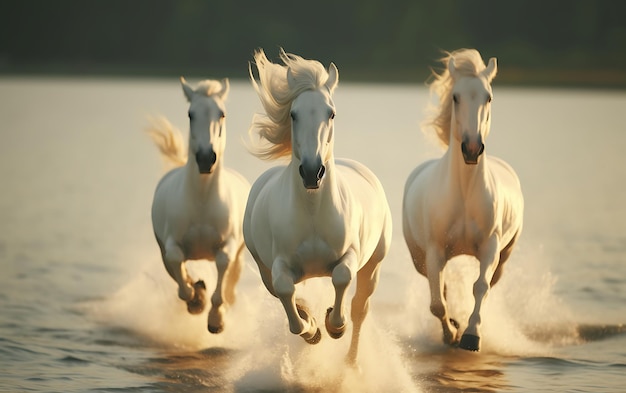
point(522, 315)
point(265, 355)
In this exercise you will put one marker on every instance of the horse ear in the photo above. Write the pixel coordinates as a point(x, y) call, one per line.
point(186, 88)
point(333, 77)
point(225, 89)
point(452, 67)
point(491, 70)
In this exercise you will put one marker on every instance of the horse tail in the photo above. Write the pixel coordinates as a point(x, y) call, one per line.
point(169, 140)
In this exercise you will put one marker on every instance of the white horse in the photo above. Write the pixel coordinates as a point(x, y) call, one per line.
point(198, 207)
point(465, 203)
point(316, 216)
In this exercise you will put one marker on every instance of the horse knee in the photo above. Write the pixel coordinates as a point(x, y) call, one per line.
point(342, 276)
point(283, 286)
point(481, 287)
point(173, 257)
point(438, 309)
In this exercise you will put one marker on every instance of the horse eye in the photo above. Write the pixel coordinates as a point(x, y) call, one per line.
point(455, 98)
point(190, 116)
point(489, 98)
point(332, 115)
point(222, 115)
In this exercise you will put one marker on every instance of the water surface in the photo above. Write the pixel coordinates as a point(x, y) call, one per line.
point(87, 306)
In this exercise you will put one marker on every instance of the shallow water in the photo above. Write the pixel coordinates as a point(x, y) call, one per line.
point(86, 304)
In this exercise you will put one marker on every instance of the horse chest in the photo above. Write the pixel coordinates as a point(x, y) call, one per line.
point(319, 245)
point(463, 231)
point(316, 255)
point(205, 234)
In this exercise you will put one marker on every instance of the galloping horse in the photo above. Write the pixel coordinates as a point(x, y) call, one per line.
point(316, 216)
point(198, 207)
point(465, 203)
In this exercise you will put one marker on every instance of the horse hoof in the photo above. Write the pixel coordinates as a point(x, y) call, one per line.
point(196, 305)
point(312, 339)
point(469, 342)
point(215, 329)
point(333, 332)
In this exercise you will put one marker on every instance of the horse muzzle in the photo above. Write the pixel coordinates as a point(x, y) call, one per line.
point(312, 175)
point(472, 151)
point(206, 158)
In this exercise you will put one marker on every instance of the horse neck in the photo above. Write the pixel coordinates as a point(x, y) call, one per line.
point(465, 176)
point(202, 184)
point(325, 195)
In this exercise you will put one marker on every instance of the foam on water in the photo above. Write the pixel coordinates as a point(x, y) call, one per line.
point(267, 356)
point(522, 315)
point(400, 344)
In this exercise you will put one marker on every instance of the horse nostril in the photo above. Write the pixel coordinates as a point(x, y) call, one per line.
point(321, 172)
point(464, 147)
point(482, 149)
point(301, 170)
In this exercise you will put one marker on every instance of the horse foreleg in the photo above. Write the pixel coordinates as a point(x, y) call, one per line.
point(366, 282)
point(216, 313)
point(488, 258)
point(300, 322)
point(174, 261)
point(435, 262)
point(341, 277)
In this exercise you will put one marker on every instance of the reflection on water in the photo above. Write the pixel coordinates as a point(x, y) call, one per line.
point(454, 370)
point(201, 371)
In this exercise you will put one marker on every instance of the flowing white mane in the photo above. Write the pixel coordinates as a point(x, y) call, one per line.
point(467, 62)
point(276, 95)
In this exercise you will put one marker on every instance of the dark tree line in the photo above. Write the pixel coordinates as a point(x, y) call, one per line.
point(367, 39)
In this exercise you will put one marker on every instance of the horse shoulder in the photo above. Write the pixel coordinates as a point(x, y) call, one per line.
point(417, 204)
point(365, 203)
point(256, 216)
point(509, 197)
point(262, 186)
point(237, 188)
point(358, 169)
point(504, 172)
point(168, 205)
point(416, 173)
point(169, 181)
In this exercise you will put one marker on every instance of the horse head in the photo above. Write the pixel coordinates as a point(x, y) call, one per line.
point(471, 109)
point(312, 125)
point(207, 124)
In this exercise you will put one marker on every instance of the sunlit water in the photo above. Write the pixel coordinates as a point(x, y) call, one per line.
point(86, 305)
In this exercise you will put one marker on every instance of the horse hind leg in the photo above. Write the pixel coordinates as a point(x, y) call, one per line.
point(504, 256)
point(418, 256)
point(233, 273)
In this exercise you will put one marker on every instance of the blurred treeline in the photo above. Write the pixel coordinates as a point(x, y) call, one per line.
point(580, 42)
